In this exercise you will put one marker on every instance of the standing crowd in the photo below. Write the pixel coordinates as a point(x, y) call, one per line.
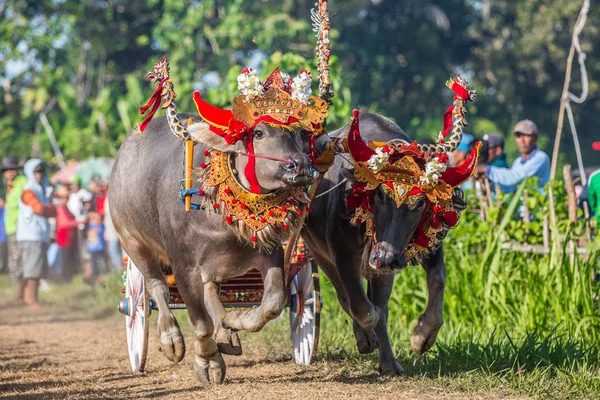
point(53, 233)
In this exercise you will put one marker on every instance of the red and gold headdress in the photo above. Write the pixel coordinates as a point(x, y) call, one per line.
point(407, 170)
point(279, 100)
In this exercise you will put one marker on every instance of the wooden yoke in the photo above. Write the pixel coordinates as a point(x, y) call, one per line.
point(189, 159)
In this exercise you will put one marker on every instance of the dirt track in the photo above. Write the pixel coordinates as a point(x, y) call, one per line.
point(72, 357)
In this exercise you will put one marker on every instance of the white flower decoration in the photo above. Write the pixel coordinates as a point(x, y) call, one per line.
point(301, 86)
point(378, 160)
point(249, 84)
point(433, 169)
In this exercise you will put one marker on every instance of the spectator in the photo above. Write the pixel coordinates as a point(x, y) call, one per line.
point(112, 239)
point(533, 162)
point(495, 150)
point(3, 251)
point(101, 194)
point(15, 182)
point(593, 189)
point(96, 248)
point(33, 228)
point(66, 237)
point(462, 150)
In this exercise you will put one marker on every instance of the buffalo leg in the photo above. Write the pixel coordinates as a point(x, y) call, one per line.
point(228, 341)
point(361, 309)
point(208, 361)
point(273, 303)
point(172, 344)
point(430, 322)
point(380, 289)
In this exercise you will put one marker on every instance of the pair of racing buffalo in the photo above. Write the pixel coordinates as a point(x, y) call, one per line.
point(202, 251)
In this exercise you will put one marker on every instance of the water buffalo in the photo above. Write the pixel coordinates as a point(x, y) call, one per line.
point(347, 256)
point(155, 229)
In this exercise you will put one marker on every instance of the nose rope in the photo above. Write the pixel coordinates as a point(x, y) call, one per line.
point(288, 161)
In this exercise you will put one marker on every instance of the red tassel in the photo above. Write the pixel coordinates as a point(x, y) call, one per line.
point(229, 220)
point(227, 191)
point(202, 165)
point(201, 192)
point(299, 212)
point(233, 201)
point(308, 209)
point(271, 213)
point(216, 205)
point(254, 239)
point(283, 208)
point(286, 227)
point(243, 206)
point(262, 220)
point(206, 152)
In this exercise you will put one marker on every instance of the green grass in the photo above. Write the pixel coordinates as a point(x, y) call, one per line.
point(514, 325)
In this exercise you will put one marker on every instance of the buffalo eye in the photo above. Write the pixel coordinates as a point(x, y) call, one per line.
point(258, 134)
point(420, 202)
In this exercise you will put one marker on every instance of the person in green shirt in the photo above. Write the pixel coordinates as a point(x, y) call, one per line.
point(594, 189)
point(15, 183)
point(495, 149)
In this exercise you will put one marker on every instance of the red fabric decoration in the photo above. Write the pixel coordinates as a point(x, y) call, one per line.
point(461, 93)
point(250, 171)
point(153, 102)
point(447, 122)
point(358, 148)
point(455, 176)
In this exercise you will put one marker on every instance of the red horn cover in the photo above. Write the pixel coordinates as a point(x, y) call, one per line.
point(455, 176)
point(358, 148)
point(221, 121)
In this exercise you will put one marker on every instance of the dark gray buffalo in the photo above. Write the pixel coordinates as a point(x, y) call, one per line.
point(342, 252)
point(153, 226)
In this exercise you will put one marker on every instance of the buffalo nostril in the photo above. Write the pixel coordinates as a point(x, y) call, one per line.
point(386, 257)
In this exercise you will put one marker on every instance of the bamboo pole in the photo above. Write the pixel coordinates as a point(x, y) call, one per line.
point(571, 197)
point(189, 157)
point(526, 211)
point(564, 98)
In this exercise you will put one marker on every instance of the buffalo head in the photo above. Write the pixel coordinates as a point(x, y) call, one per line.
point(277, 153)
point(405, 196)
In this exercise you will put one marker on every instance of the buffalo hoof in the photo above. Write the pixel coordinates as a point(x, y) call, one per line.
point(392, 368)
point(424, 335)
point(210, 369)
point(366, 340)
point(228, 342)
point(172, 344)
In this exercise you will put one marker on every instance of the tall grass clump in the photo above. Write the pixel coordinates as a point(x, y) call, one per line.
point(506, 312)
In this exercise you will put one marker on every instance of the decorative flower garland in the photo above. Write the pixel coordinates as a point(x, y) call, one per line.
point(262, 219)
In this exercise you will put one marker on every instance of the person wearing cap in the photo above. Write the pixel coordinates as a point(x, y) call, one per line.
point(495, 150)
point(593, 188)
point(533, 162)
point(15, 183)
point(33, 228)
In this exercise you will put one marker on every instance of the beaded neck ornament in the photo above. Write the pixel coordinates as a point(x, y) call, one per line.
point(262, 219)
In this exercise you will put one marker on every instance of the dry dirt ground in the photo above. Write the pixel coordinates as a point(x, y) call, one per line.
point(68, 356)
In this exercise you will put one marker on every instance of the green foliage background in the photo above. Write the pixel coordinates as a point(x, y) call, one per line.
point(392, 56)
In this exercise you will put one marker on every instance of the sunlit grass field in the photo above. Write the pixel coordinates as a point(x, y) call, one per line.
point(520, 327)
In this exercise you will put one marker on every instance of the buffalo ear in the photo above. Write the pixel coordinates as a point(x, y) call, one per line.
point(200, 133)
point(348, 174)
point(321, 143)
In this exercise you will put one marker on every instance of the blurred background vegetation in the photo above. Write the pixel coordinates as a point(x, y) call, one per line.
point(84, 62)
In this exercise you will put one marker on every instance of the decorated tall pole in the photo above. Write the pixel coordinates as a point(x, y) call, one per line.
point(320, 19)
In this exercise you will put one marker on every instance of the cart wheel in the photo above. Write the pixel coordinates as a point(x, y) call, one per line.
point(305, 313)
point(136, 308)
